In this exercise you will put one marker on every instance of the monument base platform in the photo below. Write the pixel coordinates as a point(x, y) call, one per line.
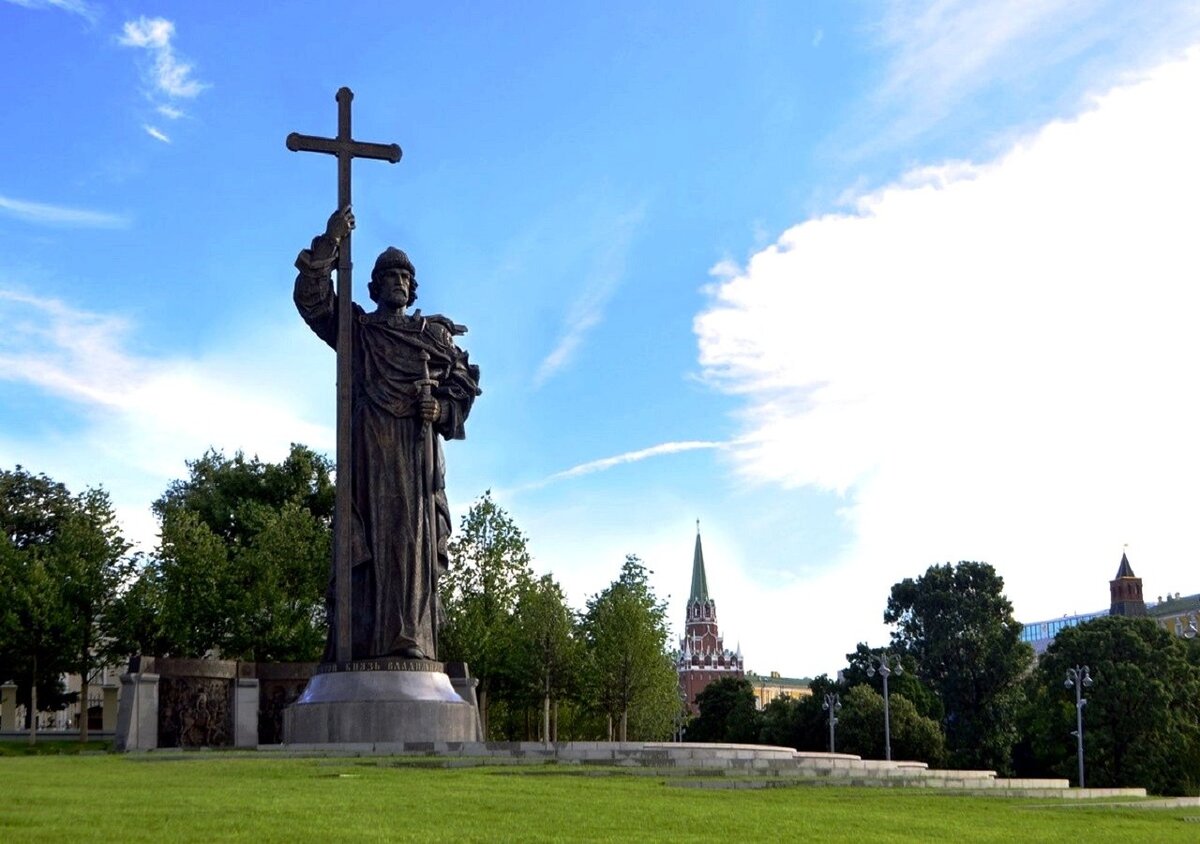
point(380, 701)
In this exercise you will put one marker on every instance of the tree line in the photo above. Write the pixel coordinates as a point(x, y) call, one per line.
point(241, 571)
point(970, 694)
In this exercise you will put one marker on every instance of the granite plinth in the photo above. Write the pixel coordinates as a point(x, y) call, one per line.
point(379, 705)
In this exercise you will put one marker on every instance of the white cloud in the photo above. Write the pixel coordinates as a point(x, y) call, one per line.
point(170, 76)
point(994, 361)
point(75, 7)
point(60, 215)
point(943, 54)
point(587, 311)
point(628, 457)
point(156, 133)
point(169, 112)
point(139, 417)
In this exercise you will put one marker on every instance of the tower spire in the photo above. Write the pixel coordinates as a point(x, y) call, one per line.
point(699, 581)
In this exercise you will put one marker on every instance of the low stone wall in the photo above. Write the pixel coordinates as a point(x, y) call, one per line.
point(279, 685)
point(189, 703)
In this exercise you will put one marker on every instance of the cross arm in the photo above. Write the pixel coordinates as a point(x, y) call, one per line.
point(336, 146)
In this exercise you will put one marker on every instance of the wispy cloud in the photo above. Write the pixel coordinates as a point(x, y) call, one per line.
point(993, 360)
point(587, 311)
point(942, 54)
point(76, 7)
point(169, 75)
point(134, 418)
point(156, 133)
point(630, 457)
point(60, 215)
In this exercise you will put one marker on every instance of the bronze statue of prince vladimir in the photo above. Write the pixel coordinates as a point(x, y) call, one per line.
point(412, 387)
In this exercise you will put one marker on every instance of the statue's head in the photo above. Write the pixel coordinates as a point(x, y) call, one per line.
point(392, 258)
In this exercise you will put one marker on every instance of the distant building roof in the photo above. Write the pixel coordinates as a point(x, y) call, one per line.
point(1125, 570)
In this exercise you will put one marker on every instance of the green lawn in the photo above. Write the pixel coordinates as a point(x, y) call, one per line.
point(207, 797)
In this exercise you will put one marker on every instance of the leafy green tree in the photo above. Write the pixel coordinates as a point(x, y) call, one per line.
point(861, 728)
point(1142, 718)
point(92, 564)
point(242, 565)
point(489, 563)
point(801, 722)
point(727, 713)
point(62, 561)
point(958, 626)
point(632, 676)
point(546, 649)
point(903, 682)
point(779, 718)
point(223, 492)
point(36, 624)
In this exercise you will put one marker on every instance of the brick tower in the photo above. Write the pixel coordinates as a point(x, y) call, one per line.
point(1126, 591)
point(703, 656)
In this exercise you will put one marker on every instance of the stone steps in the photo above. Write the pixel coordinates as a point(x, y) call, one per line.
point(719, 766)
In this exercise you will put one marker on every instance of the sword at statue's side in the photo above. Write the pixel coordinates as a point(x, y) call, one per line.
point(427, 434)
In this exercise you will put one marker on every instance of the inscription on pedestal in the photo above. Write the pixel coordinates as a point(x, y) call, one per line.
point(383, 665)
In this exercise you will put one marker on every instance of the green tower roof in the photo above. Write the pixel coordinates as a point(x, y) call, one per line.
point(699, 581)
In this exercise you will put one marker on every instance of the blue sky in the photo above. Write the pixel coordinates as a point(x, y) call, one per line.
point(863, 287)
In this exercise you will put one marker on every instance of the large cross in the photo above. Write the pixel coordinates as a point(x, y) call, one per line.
point(346, 149)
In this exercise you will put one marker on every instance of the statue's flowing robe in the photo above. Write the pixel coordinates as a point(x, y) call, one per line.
point(394, 596)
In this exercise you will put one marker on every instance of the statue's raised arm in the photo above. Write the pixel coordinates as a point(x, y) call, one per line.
point(313, 293)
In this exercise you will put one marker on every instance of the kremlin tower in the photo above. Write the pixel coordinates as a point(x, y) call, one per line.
point(702, 655)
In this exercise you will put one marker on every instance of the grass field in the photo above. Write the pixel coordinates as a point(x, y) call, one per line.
point(230, 796)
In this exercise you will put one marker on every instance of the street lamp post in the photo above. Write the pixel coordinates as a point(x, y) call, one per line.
point(885, 664)
point(832, 703)
point(681, 715)
point(1079, 678)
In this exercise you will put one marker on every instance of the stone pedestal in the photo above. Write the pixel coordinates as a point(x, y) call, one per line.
point(380, 701)
point(137, 714)
point(8, 706)
point(245, 712)
point(109, 709)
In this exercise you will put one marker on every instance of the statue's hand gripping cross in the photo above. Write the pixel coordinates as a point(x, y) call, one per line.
point(346, 149)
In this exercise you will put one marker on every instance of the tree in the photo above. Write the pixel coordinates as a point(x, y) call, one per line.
point(632, 675)
point(62, 561)
point(779, 718)
point(1142, 719)
point(904, 682)
point(861, 728)
point(36, 625)
point(958, 626)
point(801, 723)
point(545, 647)
point(727, 713)
point(489, 562)
point(242, 565)
point(92, 563)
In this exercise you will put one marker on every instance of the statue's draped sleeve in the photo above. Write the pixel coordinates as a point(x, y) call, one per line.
point(313, 293)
